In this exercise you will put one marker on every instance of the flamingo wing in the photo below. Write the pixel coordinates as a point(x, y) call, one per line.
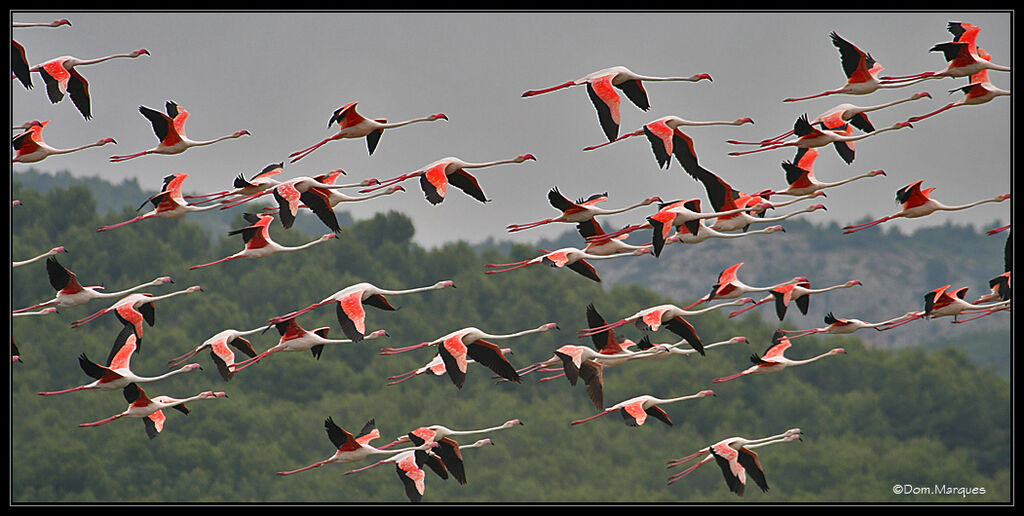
point(585, 269)
point(686, 331)
point(163, 126)
point(659, 414)
point(25, 143)
point(467, 183)
point(352, 316)
point(606, 101)
point(592, 374)
point(154, 423)
point(434, 183)
point(857, 64)
point(317, 201)
point(453, 354)
point(342, 440)
point(560, 202)
point(55, 76)
point(19, 64)
point(61, 279)
point(752, 464)
point(662, 142)
point(450, 455)
point(92, 369)
point(636, 93)
point(731, 469)
point(490, 356)
point(633, 413)
point(78, 90)
point(124, 346)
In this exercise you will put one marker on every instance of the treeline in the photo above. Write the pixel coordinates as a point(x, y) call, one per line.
point(871, 418)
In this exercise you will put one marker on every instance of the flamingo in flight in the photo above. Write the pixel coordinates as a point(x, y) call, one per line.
point(683, 235)
point(1000, 286)
point(409, 467)
point(798, 292)
point(308, 192)
point(258, 243)
point(135, 308)
point(243, 188)
point(665, 136)
point(918, 203)
point(458, 346)
point(856, 116)
point(962, 54)
point(435, 366)
point(635, 410)
point(843, 326)
point(61, 76)
point(168, 204)
point(942, 302)
point(118, 374)
point(435, 433)
point(71, 293)
point(668, 315)
point(570, 257)
point(729, 286)
point(297, 338)
point(801, 180)
point(809, 137)
point(603, 244)
point(600, 87)
point(979, 91)
point(435, 177)
point(170, 130)
point(335, 197)
point(352, 448)
point(450, 454)
point(580, 211)
point(150, 410)
point(736, 458)
point(29, 146)
point(774, 359)
point(351, 301)
point(861, 72)
point(220, 350)
point(51, 252)
point(19, 61)
point(352, 125)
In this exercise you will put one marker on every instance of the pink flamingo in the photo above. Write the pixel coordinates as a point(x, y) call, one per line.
point(29, 146)
point(861, 72)
point(798, 292)
point(352, 448)
point(351, 301)
point(843, 326)
point(600, 243)
point(135, 308)
point(918, 203)
point(979, 91)
point(665, 136)
point(150, 410)
point(635, 410)
point(71, 293)
point(118, 374)
point(436, 366)
point(849, 113)
point(962, 54)
point(704, 233)
point(409, 467)
point(170, 130)
point(774, 359)
point(570, 257)
point(248, 189)
point(600, 87)
point(435, 433)
point(809, 137)
point(729, 286)
point(352, 125)
point(435, 177)
point(297, 338)
point(943, 303)
point(61, 76)
point(580, 211)
point(801, 180)
point(258, 243)
point(736, 458)
point(220, 351)
point(168, 204)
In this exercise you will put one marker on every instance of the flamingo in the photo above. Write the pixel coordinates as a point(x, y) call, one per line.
point(580, 211)
point(19, 62)
point(458, 346)
point(61, 76)
point(843, 326)
point(118, 374)
point(51, 252)
point(665, 136)
point(168, 204)
point(334, 197)
point(309, 192)
point(800, 176)
point(861, 72)
point(855, 115)
point(735, 457)
point(71, 293)
point(450, 454)
point(918, 203)
point(729, 286)
point(668, 315)
point(409, 467)
point(170, 130)
point(352, 125)
point(29, 146)
point(135, 308)
point(248, 189)
point(943, 303)
point(352, 448)
point(44, 311)
point(571, 257)
point(435, 433)
point(683, 235)
point(435, 366)
point(258, 243)
point(979, 91)
point(774, 359)
point(808, 137)
point(150, 410)
point(297, 338)
point(220, 351)
point(798, 292)
point(635, 410)
point(351, 301)
point(962, 54)
point(600, 88)
point(600, 243)
point(435, 177)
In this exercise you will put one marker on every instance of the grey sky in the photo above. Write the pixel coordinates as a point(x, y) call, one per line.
point(281, 75)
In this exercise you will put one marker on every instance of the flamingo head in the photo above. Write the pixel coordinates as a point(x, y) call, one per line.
point(815, 207)
point(737, 340)
point(58, 249)
point(445, 283)
point(877, 173)
point(837, 351)
point(901, 125)
point(701, 76)
point(744, 301)
point(370, 182)
point(745, 120)
point(243, 132)
point(139, 52)
point(1003, 197)
point(773, 229)
point(163, 279)
point(643, 251)
point(209, 395)
point(652, 200)
point(15, 203)
point(511, 423)
point(922, 95)
point(377, 334)
point(44, 123)
point(852, 283)
point(818, 193)
point(706, 393)
point(482, 442)
point(437, 116)
point(47, 311)
point(550, 326)
point(62, 21)
point(396, 188)
point(523, 157)
point(106, 141)
point(195, 288)
point(329, 236)
point(763, 206)
point(192, 367)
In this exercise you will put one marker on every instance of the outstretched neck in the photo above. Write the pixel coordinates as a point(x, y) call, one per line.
point(102, 59)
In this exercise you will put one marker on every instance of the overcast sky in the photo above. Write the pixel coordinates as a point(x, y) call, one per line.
point(281, 75)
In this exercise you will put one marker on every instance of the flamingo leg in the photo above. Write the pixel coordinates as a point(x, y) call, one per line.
point(592, 417)
point(672, 479)
point(902, 322)
point(250, 361)
point(772, 147)
point(513, 266)
point(177, 360)
point(981, 314)
point(311, 466)
point(89, 318)
point(297, 313)
point(623, 137)
point(116, 159)
point(232, 257)
point(531, 93)
point(740, 311)
point(65, 391)
point(730, 377)
point(119, 224)
point(823, 94)
point(395, 351)
point(697, 302)
point(102, 421)
point(890, 79)
point(296, 156)
point(48, 303)
point(231, 203)
point(857, 227)
point(623, 231)
point(600, 329)
point(933, 113)
point(778, 138)
point(388, 182)
point(512, 228)
point(548, 378)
